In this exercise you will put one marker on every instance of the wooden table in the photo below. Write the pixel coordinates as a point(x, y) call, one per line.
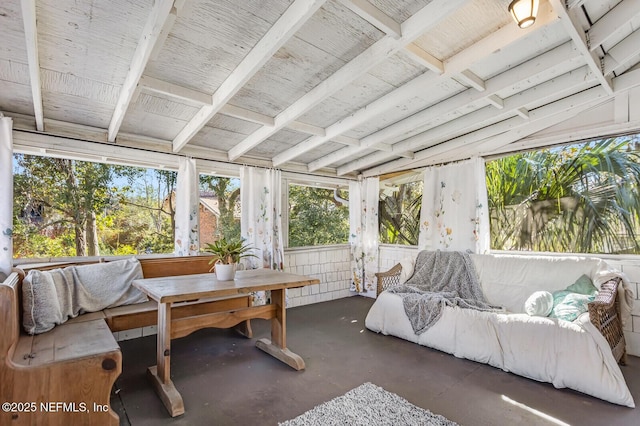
point(168, 290)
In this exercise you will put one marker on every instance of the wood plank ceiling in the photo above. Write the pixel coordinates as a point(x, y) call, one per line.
point(333, 87)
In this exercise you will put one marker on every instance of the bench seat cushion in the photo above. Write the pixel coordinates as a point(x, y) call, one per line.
point(66, 342)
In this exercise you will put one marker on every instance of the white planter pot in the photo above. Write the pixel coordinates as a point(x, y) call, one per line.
point(225, 272)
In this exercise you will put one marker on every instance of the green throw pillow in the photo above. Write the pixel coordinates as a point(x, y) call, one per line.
point(583, 285)
point(568, 305)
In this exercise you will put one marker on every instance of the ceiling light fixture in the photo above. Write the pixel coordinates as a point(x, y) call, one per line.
point(524, 12)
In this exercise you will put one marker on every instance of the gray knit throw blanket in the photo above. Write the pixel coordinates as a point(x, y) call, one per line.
point(440, 279)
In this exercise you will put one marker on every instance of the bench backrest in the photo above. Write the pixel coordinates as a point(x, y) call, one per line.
point(9, 314)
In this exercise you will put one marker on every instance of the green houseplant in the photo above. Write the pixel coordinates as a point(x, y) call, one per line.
point(226, 255)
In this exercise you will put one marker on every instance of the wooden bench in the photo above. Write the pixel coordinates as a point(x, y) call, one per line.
point(66, 374)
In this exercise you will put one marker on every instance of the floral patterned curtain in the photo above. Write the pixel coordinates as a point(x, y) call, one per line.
point(187, 234)
point(261, 223)
point(6, 196)
point(455, 214)
point(363, 235)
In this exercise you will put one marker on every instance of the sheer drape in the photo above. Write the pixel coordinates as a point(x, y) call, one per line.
point(363, 235)
point(454, 213)
point(261, 223)
point(6, 196)
point(187, 234)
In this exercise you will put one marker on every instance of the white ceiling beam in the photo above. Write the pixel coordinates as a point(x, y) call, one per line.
point(285, 27)
point(247, 115)
point(475, 143)
point(496, 101)
point(374, 16)
point(555, 61)
point(424, 58)
point(617, 18)
point(380, 105)
point(150, 34)
point(31, 39)
point(194, 97)
point(619, 54)
point(457, 64)
point(180, 93)
point(377, 53)
point(468, 78)
point(579, 37)
point(483, 118)
point(523, 112)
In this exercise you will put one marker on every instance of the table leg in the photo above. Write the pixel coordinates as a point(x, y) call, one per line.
point(161, 374)
point(277, 346)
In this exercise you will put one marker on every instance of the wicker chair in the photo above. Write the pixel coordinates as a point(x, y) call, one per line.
point(604, 311)
point(388, 279)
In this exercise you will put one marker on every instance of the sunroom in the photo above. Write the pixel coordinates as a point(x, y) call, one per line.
point(336, 140)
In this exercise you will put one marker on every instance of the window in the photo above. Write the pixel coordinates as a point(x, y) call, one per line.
point(399, 209)
point(219, 208)
point(579, 198)
point(66, 207)
point(317, 216)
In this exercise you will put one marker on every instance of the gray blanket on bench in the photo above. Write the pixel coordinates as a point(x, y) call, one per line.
point(52, 297)
point(440, 279)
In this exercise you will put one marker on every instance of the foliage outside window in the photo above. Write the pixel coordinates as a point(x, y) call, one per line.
point(399, 211)
point(581, 198)
point(317, 217)
point(65, 207)
point(219, 209)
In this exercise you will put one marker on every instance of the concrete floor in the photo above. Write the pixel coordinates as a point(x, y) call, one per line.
point(225, 380)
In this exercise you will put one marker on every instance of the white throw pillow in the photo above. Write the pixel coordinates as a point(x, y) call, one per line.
point(539, 304)
point(407, 264)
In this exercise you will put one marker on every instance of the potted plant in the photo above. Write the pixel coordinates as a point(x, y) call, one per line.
point(226, 255)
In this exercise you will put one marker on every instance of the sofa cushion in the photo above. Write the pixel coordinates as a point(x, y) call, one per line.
point(568, 305)
point(52, 297)
point(539, 304)
point(583, 285)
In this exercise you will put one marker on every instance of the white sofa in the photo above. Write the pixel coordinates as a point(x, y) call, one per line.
point(567, 354)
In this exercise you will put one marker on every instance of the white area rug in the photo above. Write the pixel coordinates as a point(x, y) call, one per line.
point(367, 405)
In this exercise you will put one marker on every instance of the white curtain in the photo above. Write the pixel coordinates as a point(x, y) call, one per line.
point(363, 235)
point(455, 214)
point(187, 235)
point(261, 223)
point(6, 196)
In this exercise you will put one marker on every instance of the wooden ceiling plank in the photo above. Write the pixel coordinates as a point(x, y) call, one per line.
point(374, 16)
point(424, 58)
point(194, 97)
point(422, 82)
point(285, 27)
point(556, 56)
point(467, 145)
point(412, 28)
point(619, 54)
point(570, 23)
point(150, 35)
point(523, 112)
point(484, 117)
point(31, 39)
point(607, 26)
